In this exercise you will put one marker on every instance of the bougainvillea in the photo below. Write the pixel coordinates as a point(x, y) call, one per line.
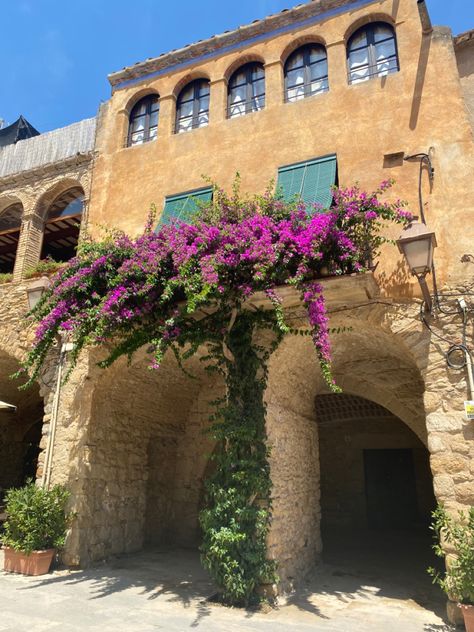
point(188, 284)
point(148, 289)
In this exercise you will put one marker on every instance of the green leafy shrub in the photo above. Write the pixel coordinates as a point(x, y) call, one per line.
point(36, 518)
point(44, 267)
point(458, 579)
point(5, 277)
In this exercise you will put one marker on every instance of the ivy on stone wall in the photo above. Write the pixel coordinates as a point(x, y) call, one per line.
point(236, 521)
point(186, 287)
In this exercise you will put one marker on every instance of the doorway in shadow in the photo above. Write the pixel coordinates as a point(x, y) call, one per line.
point(376, 497)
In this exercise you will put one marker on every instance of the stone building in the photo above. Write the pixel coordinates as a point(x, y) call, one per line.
point(331, 91)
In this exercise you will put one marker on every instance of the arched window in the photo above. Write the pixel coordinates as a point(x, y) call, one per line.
point(61, 229)
point(372, 52)
point(143, 122)
point(246, 90)
point(192, 109)
point(10, 223)
point(306, 72)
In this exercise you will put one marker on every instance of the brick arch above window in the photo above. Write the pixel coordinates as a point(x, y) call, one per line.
point(365, 21)
point(299, 42)
point(10, 227)
point(62, 224)
point(242, 60)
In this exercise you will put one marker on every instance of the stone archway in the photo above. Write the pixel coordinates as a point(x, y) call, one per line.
point(11, 212)
point(62, 210)
point(20, 431)
point(139, 465)
point(368, 362)
point(375, 472)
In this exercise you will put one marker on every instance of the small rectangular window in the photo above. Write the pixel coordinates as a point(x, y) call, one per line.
point(185, 204)
point(310, 180)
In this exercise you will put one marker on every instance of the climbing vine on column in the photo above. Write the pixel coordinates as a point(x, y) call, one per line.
point(190, 285)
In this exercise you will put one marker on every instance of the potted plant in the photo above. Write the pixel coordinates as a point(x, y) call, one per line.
point(36, 526)
point(456, 535)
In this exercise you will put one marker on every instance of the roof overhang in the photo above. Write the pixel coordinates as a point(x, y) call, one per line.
point(299, 17)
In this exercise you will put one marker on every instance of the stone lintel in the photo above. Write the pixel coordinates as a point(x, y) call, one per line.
point(339, 292)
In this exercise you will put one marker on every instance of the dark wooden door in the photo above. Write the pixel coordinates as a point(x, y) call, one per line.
point(390, 487)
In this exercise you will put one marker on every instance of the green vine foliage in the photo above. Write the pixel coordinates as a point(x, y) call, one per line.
point(458, 534)
point(236, 522)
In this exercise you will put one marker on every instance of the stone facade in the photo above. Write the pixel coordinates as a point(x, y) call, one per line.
point(130, 444)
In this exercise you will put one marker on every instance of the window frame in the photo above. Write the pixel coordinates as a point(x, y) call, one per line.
point(306, 50)
point(249, 96)
point(197, 96)
point(149, 99)
point(369, 30)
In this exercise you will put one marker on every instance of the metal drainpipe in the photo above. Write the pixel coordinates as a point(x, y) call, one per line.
point(48, 461)
point(469, 374)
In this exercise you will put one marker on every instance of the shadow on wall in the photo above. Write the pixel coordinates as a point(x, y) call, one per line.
point(423, 58)
point(399, 282)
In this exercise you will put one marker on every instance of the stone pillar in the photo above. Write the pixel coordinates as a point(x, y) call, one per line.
point(29, 244)
point(337, 66)
point(218, 101)
point(274, 83)
point(167, 119)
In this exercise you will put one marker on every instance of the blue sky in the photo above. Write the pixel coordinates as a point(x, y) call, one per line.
point(56, 55)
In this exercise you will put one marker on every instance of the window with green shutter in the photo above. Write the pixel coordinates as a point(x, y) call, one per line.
point(311, 180)
point(185, 204)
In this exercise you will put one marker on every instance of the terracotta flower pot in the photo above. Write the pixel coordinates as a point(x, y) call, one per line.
point(468, 614)
point(36, 563)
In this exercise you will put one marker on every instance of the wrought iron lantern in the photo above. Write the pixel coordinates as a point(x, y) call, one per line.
point(417, 243)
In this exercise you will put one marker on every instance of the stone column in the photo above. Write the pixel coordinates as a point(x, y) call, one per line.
point(29, 244)
point(167, 120)
point(337, 66)
point(218, 101)
point(274, 84)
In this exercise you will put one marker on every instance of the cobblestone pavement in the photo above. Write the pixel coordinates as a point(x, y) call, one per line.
point(168, 590)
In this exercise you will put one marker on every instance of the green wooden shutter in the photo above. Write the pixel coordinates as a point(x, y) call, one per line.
point(290, 180)
point(312, 180)
point(180, 206)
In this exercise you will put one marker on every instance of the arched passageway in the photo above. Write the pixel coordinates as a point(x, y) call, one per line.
point(62, 225)
point(20, 431)
point(146, 453)
point(345, 466)
point(376, 488)
point(10, 225)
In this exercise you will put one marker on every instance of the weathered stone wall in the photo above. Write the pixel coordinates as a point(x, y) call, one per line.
point(193, 465)
point(15, 338)
point(295, 539)
point(385, 355)
point(130, 447)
